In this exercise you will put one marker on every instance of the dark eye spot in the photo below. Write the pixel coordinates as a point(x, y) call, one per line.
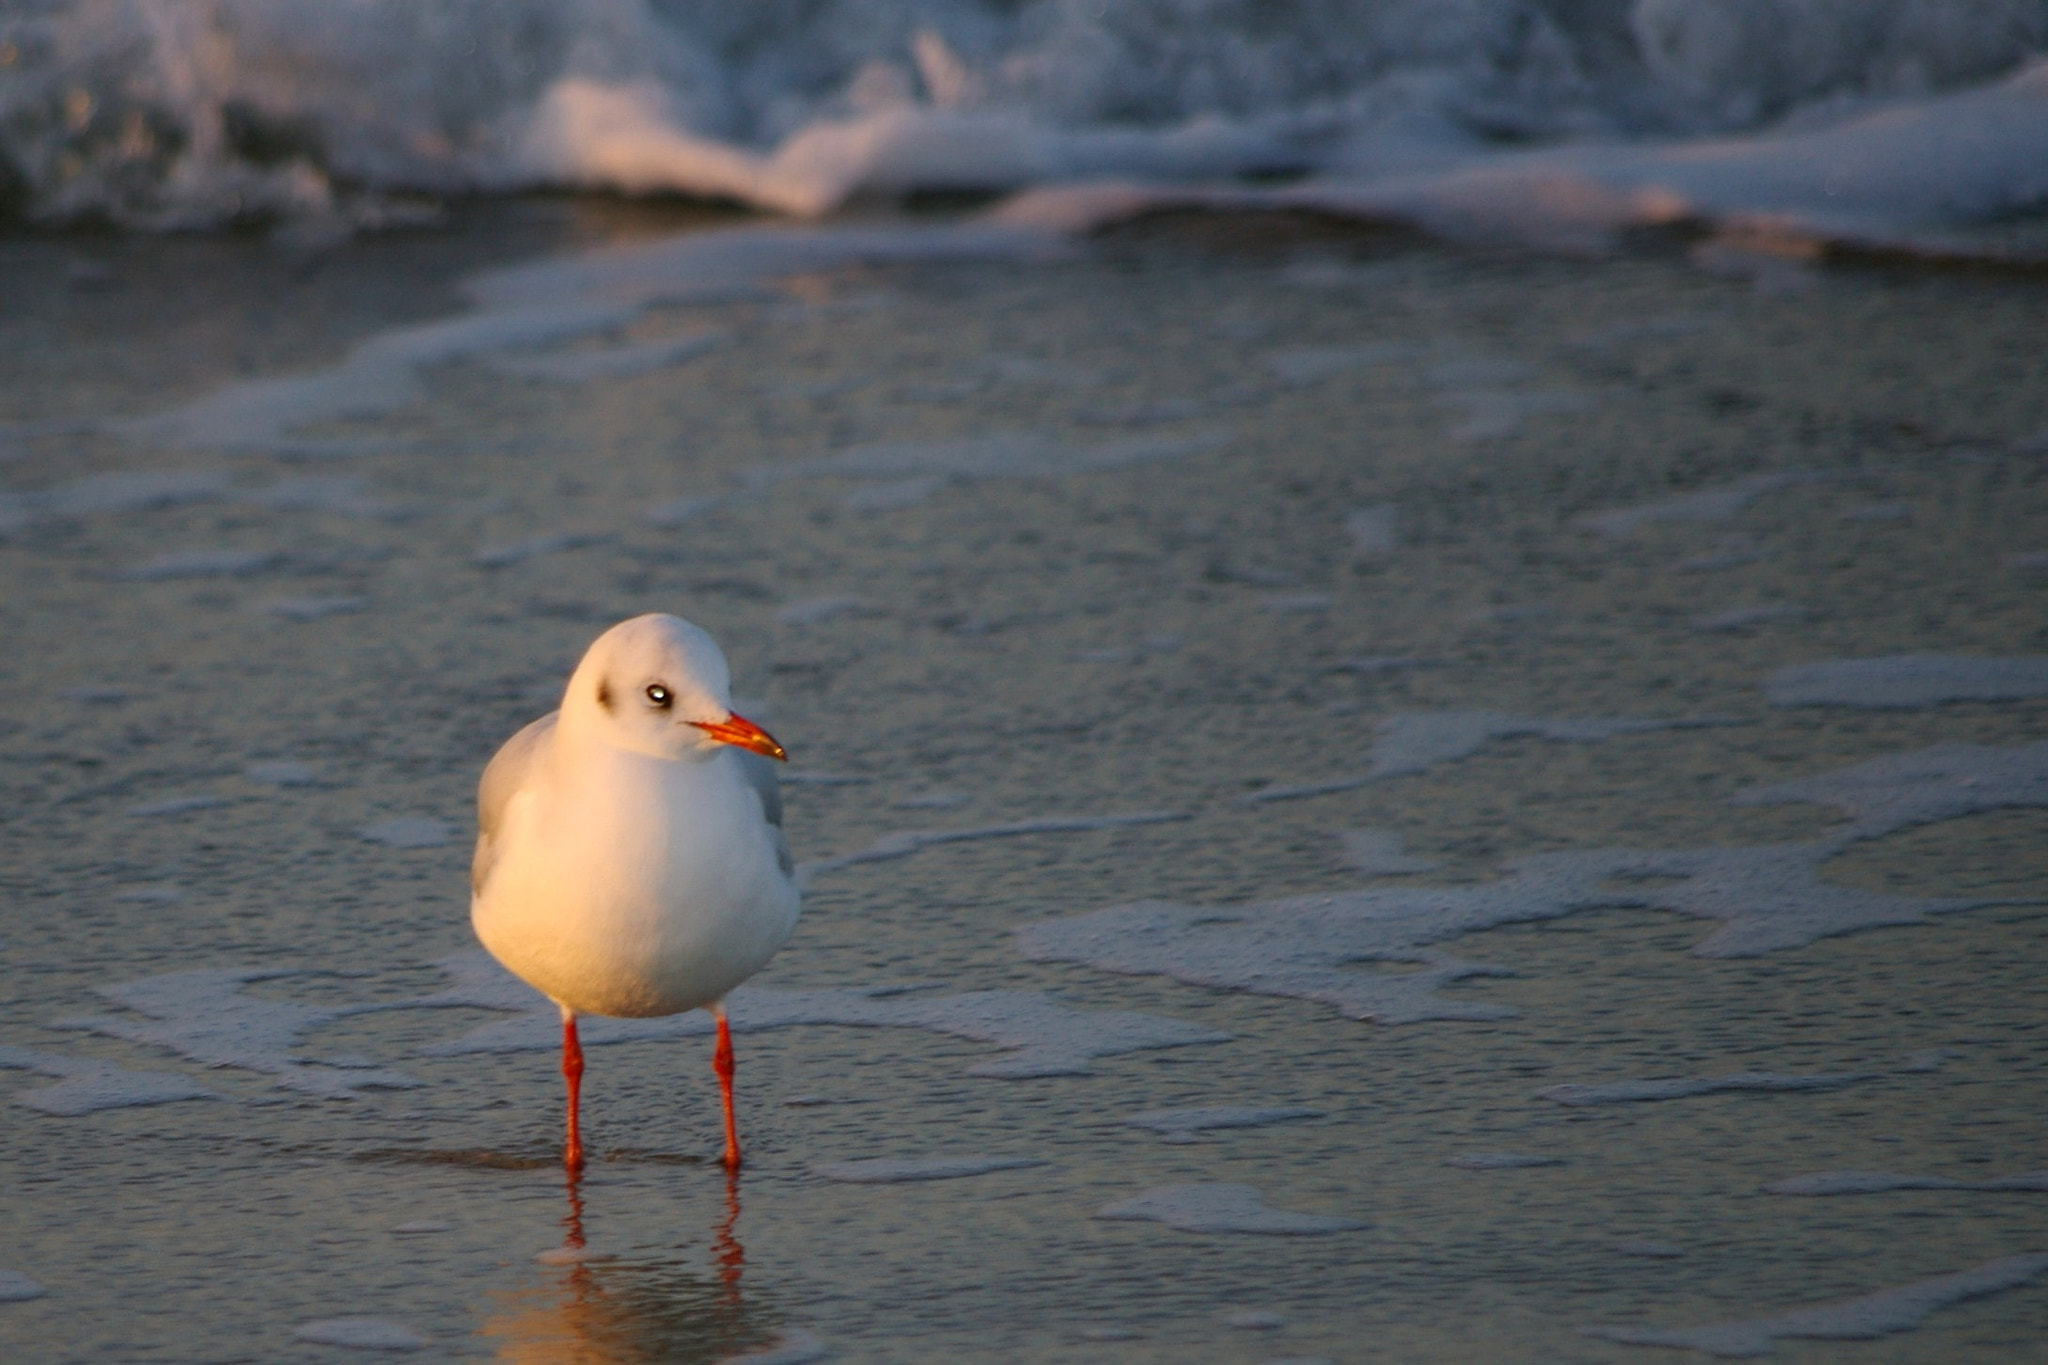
point(604, 695)
point(659, 695)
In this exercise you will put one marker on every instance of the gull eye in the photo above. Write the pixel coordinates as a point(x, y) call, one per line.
point(659, 695)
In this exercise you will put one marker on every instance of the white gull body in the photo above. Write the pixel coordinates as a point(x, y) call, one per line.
point(630, 858)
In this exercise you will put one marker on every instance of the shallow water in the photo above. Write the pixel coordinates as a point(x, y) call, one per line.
point(1422, 634)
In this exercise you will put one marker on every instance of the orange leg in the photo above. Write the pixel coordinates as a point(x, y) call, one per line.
point(721, 1062)
point(572, 1072)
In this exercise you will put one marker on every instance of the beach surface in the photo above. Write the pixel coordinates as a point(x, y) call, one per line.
point(1362, 800)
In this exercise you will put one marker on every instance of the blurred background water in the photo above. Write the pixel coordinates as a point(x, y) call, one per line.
point(1412, 639)
point(360, 114)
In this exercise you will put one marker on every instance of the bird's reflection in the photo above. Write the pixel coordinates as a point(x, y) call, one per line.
point(592, 1310)
point(725, 1242)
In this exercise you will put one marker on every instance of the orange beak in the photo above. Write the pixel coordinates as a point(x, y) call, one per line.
point(738, 730)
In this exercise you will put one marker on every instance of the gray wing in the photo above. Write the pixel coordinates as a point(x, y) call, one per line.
point(760, 775)
point(504, 775)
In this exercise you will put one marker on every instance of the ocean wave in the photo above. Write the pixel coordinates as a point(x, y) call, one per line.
point(183, 114)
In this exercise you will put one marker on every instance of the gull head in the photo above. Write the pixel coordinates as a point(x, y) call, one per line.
point(659, 686)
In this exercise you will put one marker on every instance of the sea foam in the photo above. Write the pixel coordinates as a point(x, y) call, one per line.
point(86, 1084)
point(1763, 898)
point(1905, 681)
point(1416, 741)
point(206, 1017)
point(1510, 116)
point(110, 494)
point(1867, 1318)
point(1040, 1036)
point(1880, 1182)
point(16, 1287)
point(360, 1334)
point(519, 310)
point(792, 1346)
point(905, 1170)
point(1895, 177)
point(903, 843)
point(1899, 791)
point(1215, 1208)
point(1708, 504)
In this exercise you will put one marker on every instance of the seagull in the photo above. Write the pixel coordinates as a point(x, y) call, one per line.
point(629, 857)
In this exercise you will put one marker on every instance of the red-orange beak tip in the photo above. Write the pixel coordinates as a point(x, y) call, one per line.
point(742, 733)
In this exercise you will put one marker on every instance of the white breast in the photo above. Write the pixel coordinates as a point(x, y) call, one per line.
point(629, 885)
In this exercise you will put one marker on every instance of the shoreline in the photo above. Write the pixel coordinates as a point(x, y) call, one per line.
point(1491, 556)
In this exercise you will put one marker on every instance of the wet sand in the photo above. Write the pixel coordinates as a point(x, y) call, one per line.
point(1193, 515)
